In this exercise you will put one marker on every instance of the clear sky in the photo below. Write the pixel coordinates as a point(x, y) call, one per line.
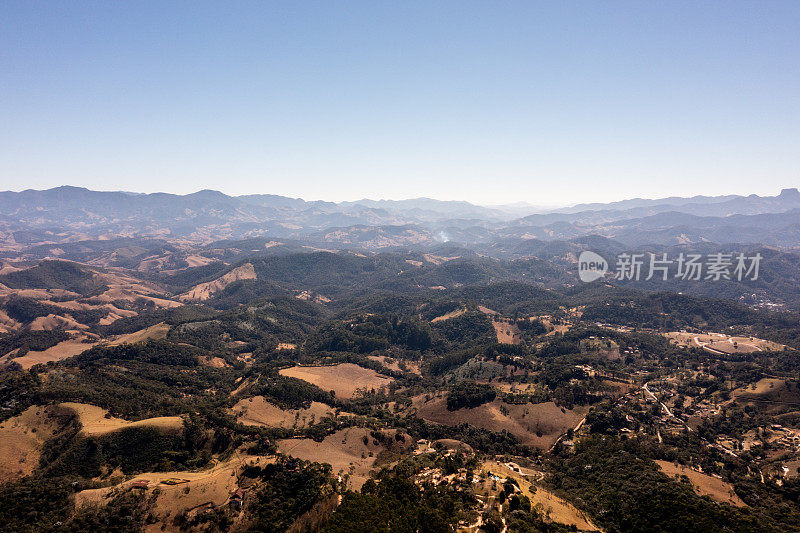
point(490, 102)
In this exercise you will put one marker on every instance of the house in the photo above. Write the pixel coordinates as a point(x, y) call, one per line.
point(237, 498)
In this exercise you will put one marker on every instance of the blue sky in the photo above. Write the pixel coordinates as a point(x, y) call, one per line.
point(490, 102)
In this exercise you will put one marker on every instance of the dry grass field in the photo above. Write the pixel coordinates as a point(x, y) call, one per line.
point(394, 364)
point(8, 268)
point(771, 394)
point(21, 440)
point(538, 425)
point(722, 344)
point(345, 451)
point(437, 259)
point(213, 487)
point(197, 261)
point(507, 332)
point(122, 286)
point(344, 379)
point(204, 291)
point(451, 314)
point(554, 508)
point(602, 346)
point(119, 286)
point(62, 350)
point(286, 346)
point(96, 421)
point(703, 484)
point(514, 387)
point(257, 411)
point(7, 323)
point(52, 322)
point(154, 332)
point(745, 345)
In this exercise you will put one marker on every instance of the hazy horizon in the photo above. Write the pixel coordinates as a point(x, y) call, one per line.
point(520, 204)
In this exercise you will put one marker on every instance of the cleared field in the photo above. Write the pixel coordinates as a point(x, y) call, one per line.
point(344, 379)
point(345, 451)
point(62, 350)
point(793, 467)
point(204, 291)
point(437, 259)
point(197, 260)
point(559, 328)
point(154, 332)
point(52, 322)
point(507, 332)
point(8, 268)
point(21, 440)
point(602, 346)
point(394, 364)
point(95, 420)
point(554, 508)
point(771, 394)
point(213, 486)
point(538, 425)
point(732, 345)
point(7, 323)
point(515, 387)
point(761, 387)
point(685, 338)
point(257, 411)
point(213, 362)
point(704, 484)
point(122, 286)
point(722, 344)
point(451, 314)
point(286, 346)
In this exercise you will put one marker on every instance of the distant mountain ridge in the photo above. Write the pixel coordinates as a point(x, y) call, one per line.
point(73, 214)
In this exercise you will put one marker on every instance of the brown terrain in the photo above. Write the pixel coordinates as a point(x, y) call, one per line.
point(96, 420)
point(507, 331)
point(204, 291)
point(451, 314)
point(345, 379)
point(180, 491)
point(62, 350)
point(119, 289)
point(703, 484)
point(718, 343)
point(154, 332)
point(538, 424)
point(771, 394)
point(22, 438)
point(394, 364)
point(555, 509)
point(346, 451)
point(257, 411)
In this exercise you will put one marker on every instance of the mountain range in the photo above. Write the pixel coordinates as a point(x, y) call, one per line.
point(71, 214)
